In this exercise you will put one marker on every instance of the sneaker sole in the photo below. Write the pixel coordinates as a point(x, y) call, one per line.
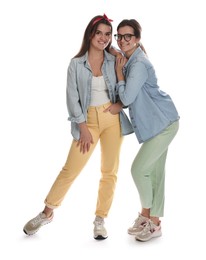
point(100, 237)
point(28, 233)
point(159, 234)
point(133, 233)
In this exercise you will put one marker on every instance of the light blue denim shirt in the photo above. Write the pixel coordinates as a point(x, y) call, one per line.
point(79, 81)
point(151, 110)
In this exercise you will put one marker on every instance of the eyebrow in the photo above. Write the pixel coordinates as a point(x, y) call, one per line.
point(102, 31)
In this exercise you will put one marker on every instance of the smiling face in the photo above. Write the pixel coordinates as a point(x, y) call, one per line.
point(102, 37)
point(126, 40)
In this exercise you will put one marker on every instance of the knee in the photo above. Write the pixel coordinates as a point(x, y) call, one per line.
point(133, 171)
point(137, 172)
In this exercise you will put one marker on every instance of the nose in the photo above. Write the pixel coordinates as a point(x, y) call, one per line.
point(104, 37)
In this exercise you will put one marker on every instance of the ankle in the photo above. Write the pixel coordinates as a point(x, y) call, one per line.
point(145, 213)
point(48, 212)
point(155, 220)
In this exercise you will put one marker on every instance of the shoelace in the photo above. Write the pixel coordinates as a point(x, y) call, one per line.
point(99, 223)
point(139, 221)
point(148, 227)
point(36, 220)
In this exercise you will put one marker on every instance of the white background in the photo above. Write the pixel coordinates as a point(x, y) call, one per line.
point(37, 40)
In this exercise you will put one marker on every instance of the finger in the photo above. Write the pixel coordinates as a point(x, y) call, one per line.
point(107, 109)
point(85, 148)
point(122, 60)
point(88, 147)
point(81, 148)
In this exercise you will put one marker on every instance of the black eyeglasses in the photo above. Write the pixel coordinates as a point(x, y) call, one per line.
point(127, 37)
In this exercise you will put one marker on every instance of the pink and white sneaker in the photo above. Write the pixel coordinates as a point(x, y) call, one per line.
point(149, 231)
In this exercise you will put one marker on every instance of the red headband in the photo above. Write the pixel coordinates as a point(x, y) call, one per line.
point(102, 18)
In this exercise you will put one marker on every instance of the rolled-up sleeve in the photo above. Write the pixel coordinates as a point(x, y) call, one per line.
point(72, 96)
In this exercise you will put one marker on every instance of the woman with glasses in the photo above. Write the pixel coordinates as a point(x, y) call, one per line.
point(155, 121)
point(96, 115)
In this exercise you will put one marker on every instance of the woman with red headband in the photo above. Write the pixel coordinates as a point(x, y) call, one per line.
point(91, 83)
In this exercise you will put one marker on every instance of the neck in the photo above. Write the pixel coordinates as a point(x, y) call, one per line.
point(95, 54)
point(96, 59)
point(129, 53)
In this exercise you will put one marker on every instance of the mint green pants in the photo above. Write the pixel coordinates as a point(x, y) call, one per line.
point(148, 170)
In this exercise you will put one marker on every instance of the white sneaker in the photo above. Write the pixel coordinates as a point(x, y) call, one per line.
point(138, 225)
point(100, 231)
point(33, 225)
point(149, 231)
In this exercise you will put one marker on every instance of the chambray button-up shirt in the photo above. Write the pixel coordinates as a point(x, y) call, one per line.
point(151, 110)
point(79, 81)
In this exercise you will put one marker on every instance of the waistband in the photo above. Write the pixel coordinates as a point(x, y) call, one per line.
point(104, 106)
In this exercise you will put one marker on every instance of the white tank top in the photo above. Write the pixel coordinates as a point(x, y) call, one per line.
point(99, 92)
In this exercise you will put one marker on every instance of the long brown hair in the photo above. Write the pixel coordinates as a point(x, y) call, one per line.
point(90, 32)
point(136, 27)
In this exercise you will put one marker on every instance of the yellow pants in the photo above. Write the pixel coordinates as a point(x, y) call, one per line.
point(106, 128)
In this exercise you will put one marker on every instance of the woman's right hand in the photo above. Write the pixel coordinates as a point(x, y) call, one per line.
point(85, 139)
point(120, 62)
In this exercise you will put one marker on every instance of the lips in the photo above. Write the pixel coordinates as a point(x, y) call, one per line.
point(123, 46)
point(104, 42)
